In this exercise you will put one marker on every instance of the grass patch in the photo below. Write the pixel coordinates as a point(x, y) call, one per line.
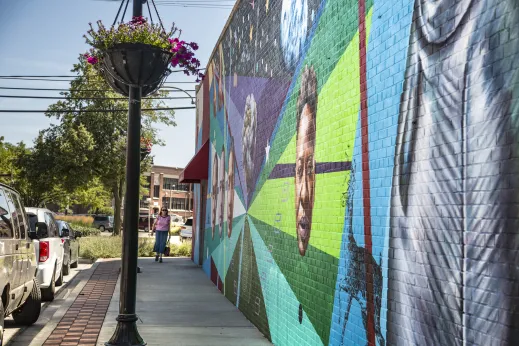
point(111, 247)
point(85, 221)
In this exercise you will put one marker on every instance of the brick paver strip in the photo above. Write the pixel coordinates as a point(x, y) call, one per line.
point(79, 324)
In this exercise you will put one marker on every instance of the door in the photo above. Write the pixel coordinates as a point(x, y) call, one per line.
point(16, 253)
point(25, 244)
point(200, 226)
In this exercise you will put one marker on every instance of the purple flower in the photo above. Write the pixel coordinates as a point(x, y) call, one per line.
point(194, 45)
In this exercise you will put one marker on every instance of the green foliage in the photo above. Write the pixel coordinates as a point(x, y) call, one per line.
point(110, 247)
point(145, 33)
point(84, 221)
point(87, 231)
point(89, 149)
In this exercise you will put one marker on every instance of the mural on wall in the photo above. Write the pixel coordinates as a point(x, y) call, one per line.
point(363, 170)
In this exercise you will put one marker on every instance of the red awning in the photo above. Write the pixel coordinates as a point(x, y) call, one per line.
point(197, 169)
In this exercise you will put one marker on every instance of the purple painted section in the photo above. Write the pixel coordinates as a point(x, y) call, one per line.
point(287, 170)
point(268, 108)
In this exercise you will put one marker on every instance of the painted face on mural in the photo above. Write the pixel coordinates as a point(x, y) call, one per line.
point(305, 161)
point(230, 190)
point(249, 139)
point(214, 193)
point(221, 191)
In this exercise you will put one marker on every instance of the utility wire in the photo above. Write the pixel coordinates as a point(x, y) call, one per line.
point(91, 110)
point(89, 98)
point(61, 80)
point(53, 89)
point(66, 76)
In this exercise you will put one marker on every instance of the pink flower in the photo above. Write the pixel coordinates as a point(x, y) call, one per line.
point(92, 60)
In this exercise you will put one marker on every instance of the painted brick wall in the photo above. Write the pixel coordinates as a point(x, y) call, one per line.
point(364, 170)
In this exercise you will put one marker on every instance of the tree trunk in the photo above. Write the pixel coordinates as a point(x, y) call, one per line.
point(118, 192)
point(117, 210)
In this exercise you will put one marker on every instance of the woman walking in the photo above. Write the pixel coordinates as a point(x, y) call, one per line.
point(161, 228)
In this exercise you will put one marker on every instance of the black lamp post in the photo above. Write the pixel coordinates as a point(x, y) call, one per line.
point(126, 333)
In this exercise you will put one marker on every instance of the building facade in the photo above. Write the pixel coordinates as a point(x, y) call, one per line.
point(362, 183)
point(165, 190)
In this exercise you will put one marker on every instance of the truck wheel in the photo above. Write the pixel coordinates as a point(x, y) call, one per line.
point(47, 294)
point(30, 311)
point(59, 282)
point(66, 268)
point(102, 228)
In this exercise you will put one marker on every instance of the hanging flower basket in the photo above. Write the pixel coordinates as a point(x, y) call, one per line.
point(139, 54)
point(124, 89)
point(137, 64)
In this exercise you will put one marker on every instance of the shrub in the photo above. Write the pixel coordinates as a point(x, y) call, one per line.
point(174, 230)
point(111, 247)
point(86, 231)
point(86, 221)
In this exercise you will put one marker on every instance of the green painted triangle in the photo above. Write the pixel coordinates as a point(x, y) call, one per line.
point(232, 277)
point(223, 252)
point(251, 295)
point(336, 11)
point(311, 277)
point(328, 212)
point(280, 301)
point(288, 156)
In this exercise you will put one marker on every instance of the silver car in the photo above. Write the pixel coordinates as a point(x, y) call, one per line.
point(70, 239)
point(20, 289)
point(104, 223)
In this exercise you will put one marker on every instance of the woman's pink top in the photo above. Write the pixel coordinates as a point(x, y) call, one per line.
point(163, 223)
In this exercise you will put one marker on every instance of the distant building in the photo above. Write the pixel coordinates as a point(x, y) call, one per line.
point(165, 190)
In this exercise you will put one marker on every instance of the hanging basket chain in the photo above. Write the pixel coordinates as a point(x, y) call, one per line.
point(149, 11)
point(158, 16)
point(124, 13)
point(118, 12)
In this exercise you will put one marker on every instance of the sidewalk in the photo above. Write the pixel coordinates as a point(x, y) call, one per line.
point(178, 305)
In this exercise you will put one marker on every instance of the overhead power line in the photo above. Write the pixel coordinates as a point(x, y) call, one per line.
point(65, 80)
point(89, 98)
point(53, 89)
point(64, 76)
point(90, 110)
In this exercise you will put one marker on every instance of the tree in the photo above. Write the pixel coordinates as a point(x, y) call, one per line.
point(92, 145)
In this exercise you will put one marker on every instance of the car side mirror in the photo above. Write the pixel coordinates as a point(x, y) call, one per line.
point(78, 234)
point(65, 232)
point(42, 231)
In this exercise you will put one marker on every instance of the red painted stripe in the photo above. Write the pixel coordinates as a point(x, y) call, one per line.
point(365, 172)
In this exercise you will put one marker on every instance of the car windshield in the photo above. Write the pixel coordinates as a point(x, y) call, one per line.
point(33, 219)
point(189, 222)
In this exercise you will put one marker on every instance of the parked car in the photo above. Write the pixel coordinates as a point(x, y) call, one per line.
point(186, 232)
point(143, 221)
point(21, 295)
point(104, 223)
point(49, 252)
point(69, 237)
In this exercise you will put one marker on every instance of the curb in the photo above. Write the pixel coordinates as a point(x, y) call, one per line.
point(60, 294)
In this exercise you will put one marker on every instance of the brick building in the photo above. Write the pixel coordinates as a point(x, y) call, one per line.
point(356, 175)
point(167, 191)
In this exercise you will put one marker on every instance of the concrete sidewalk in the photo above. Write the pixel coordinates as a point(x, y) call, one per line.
point(179, 305)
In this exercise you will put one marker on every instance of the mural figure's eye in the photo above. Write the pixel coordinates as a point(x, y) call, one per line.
point(299, 170)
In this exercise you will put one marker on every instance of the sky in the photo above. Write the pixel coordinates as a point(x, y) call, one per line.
point(46, 37)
